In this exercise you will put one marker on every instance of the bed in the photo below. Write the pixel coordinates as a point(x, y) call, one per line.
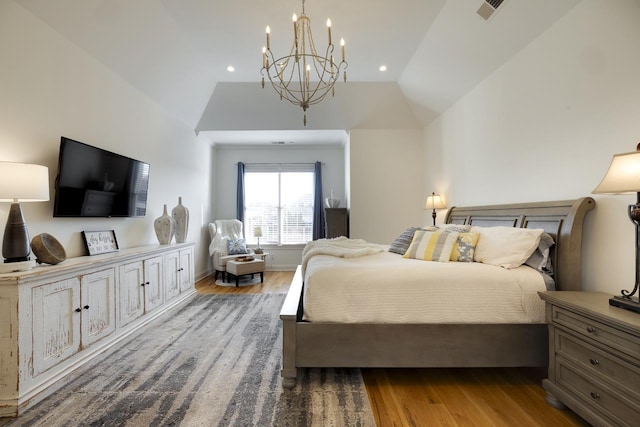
point(314, 343)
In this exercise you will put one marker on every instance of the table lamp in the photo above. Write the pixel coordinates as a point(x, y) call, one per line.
point(20, 182)
point(623, 177)
point(257, 232)
point(434, 201)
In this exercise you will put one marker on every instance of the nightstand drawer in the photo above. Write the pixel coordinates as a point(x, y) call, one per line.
point(615, 406)
point(598, 332)
point(599, 364)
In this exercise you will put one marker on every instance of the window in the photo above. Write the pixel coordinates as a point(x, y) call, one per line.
point(279, 199)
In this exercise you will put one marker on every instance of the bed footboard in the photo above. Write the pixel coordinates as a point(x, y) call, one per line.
point(325, 345)
point(289, 317)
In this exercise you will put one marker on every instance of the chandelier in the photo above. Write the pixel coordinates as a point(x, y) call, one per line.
point(303, 77)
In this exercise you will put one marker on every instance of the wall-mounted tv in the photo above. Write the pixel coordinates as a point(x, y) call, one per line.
point(93, 182)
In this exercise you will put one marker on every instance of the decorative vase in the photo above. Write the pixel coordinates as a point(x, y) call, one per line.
point(165, 226)
point(181, 216)
point(332, 202)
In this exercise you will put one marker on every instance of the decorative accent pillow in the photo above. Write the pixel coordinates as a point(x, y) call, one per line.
point(540, 260)
point(432, 245)
point(236, 246)
point(465, 247)
point(507, 247)
point(402, 242)
point(460, 228)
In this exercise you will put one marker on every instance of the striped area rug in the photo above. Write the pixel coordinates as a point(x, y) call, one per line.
point(214, 361)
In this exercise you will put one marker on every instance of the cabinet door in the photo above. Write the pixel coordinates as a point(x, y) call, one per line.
point(130, 292)
point(98, 305)
point(153, 283)
point(56, 323)
point(186, 269)
point(171, 275)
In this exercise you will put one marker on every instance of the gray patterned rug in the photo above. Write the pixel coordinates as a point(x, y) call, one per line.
point(212, 362)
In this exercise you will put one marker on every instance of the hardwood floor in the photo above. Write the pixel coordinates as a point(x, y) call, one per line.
point(437, 396)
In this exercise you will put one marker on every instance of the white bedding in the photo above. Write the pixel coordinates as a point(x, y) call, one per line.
point(386, 288)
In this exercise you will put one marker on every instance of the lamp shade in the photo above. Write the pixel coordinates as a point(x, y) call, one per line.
point(257, 232)
point(434, 202)
point(623, 175)
point(22, 182)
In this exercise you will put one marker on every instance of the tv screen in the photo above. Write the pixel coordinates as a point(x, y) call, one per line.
point(93, 182)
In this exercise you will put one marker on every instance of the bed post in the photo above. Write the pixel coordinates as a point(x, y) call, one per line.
point(289, 317)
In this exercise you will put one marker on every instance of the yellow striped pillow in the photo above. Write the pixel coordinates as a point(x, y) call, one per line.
point(432, 245)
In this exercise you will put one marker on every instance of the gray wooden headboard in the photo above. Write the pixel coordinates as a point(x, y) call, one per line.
point(563, 220)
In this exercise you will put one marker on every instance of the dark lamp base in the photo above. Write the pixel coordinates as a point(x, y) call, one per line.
point(19, 259)
point(629, 303)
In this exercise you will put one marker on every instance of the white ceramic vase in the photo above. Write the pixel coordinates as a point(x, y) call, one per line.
point(181, 216)
point(332, 202)
point(165, 227)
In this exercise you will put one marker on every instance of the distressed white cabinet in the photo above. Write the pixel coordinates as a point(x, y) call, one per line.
point(153, 285)
point(55, 318)
point(178, 272)
point(98, 305)
point(131, 293)
point(56, 323)
point(140, 288)
point(71, 314)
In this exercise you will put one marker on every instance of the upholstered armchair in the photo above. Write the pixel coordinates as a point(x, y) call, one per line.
point(221, 230)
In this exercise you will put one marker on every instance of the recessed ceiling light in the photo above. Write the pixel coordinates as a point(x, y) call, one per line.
point(383, 68)
point(230, 69)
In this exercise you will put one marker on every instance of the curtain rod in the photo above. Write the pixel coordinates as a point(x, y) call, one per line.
point(281, 163)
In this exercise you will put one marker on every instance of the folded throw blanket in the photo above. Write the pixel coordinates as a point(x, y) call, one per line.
point(341, 247)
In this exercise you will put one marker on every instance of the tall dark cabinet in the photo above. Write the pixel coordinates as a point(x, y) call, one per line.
point(336, 222)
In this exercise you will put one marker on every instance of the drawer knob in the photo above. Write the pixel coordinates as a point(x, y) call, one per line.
point(595, 395)
point(594, 362)
point(78, 310)
point(86, 307)
point(591, 329)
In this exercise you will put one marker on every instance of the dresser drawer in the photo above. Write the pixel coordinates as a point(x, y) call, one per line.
point(596, 332)
point(616, 407)
point(595, 362)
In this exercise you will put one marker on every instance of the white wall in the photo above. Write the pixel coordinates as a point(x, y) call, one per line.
point(225, 179)
point(545, 125)
point(49, 87)
point(386, 183)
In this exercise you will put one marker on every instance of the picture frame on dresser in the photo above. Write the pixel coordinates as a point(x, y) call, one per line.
point(100, 242)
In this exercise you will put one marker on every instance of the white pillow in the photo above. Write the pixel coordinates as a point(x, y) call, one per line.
point(506, 247)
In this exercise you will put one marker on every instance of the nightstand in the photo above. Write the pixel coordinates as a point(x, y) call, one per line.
point(594, 357)
point(336, 222)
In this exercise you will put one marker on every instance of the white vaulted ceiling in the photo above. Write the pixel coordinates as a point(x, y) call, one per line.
point(177, 52)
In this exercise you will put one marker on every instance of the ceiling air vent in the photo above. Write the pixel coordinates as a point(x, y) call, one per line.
point(488, 8)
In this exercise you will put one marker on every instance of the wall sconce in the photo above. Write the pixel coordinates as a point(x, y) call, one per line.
point(257, 232)
point(20, 182)
point(622, 177)
point(434, 201)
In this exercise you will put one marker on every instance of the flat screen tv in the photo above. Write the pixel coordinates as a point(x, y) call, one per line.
point(93, 182)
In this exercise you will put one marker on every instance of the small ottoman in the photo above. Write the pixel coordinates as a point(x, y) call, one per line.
point(242, 268)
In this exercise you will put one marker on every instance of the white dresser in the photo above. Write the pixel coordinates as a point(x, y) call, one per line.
point(55, 318)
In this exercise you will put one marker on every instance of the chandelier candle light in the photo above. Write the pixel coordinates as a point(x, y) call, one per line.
point(303, 77)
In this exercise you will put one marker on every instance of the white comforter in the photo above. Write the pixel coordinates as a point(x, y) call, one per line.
point(386, 288)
